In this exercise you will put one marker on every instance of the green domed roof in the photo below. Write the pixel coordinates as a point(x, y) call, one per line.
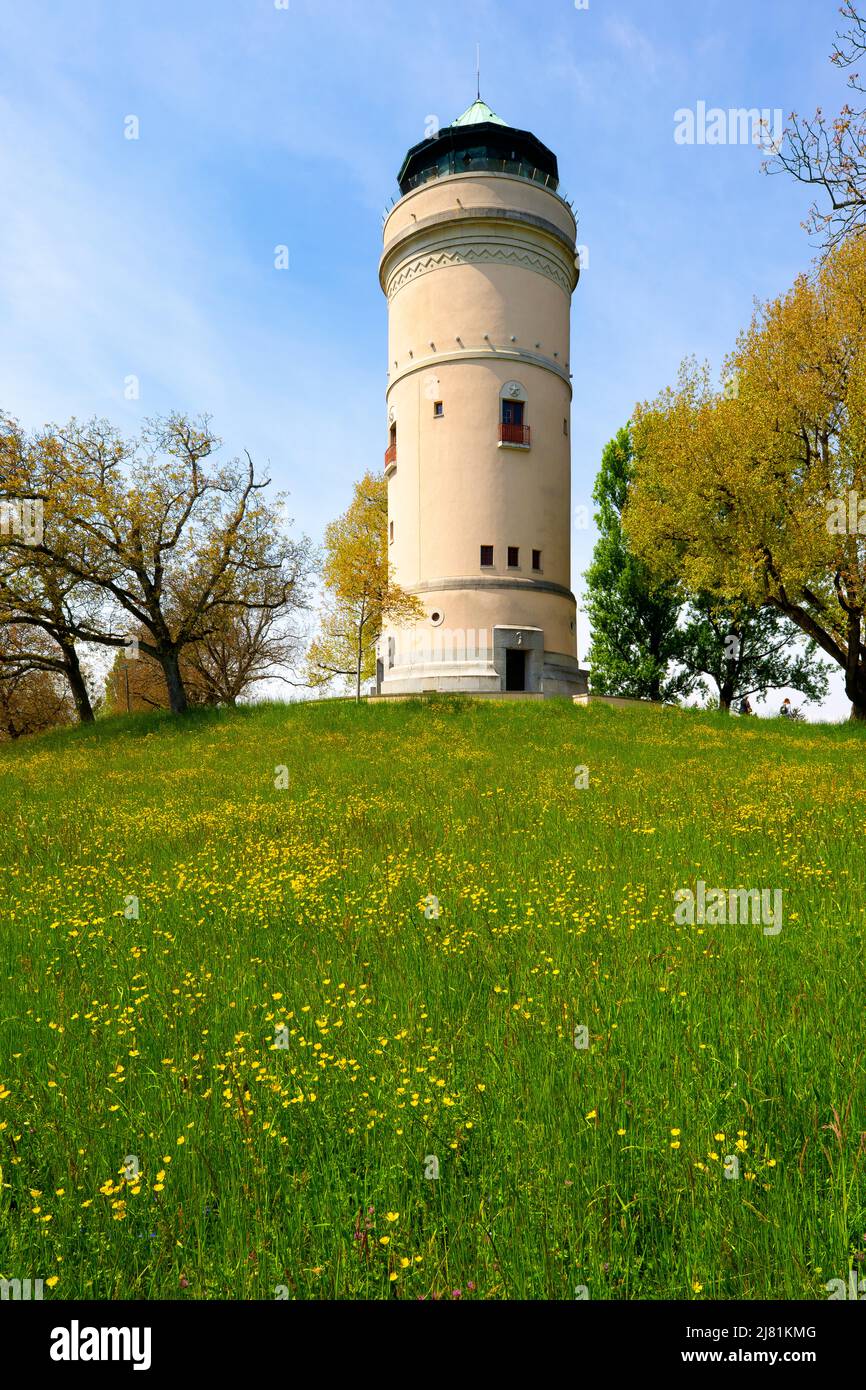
point(477, 114)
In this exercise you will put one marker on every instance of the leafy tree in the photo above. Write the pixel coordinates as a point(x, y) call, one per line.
point(752, 492)
point(36, 600)
point(136, 682)
point(747, 651)
point(245, 647)
point(832, 156)
point(361, 592)
point(636, 643)
point(169, 539)
point(40, 600)
point(33, 696)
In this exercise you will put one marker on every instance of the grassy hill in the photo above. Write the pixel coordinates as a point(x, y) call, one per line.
point(246, 1090)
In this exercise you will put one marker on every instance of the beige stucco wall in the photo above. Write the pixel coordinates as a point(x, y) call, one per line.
point(479, 270)
point(520, 311)
point(481, 189)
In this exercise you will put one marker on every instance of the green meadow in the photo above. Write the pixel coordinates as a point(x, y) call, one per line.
point(379, 1001)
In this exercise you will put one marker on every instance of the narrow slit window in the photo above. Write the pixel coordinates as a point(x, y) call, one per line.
point(513, 557)
point(486, 555)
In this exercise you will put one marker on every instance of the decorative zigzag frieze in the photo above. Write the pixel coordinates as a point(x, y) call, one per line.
point(489, 253)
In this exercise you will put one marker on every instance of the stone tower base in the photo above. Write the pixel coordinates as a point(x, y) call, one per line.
point(517, 665)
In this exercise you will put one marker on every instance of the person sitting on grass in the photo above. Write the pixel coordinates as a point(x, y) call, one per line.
point(745, 707)
point(787, 711)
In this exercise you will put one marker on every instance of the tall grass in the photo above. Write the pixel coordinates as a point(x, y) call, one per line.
point(334, 990)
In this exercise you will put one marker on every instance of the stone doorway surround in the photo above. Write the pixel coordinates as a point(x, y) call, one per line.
point(526, 639)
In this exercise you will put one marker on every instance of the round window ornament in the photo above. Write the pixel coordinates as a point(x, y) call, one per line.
point(437, 617)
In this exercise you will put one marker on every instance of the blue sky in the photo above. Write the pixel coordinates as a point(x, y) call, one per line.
point(262, 126)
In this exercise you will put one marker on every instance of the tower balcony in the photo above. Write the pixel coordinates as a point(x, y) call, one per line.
point(514, 436)
point(390, 457)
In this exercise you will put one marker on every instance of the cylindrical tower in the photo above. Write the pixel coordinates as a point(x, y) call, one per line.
point(478, 268)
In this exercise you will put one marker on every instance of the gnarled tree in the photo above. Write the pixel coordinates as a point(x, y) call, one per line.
point(169, 538)
point(34, 695)
point(244, 647)
point(41, 601)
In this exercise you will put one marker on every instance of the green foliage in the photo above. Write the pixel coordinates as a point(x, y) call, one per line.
point(754, 490)
point(360, 591)
point(747, 651)
point(635, 639)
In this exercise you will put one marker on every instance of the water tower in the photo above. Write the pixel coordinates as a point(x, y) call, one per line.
point(478, 267)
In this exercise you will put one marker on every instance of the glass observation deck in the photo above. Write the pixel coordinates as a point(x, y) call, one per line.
point(479, 142)
point(478, 161)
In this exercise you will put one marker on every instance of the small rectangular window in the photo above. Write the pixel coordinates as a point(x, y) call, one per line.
point(390, 530)
point(513, 557)
point(565, 425)
point(536, 559)
point(487, 554)
point(438, 409)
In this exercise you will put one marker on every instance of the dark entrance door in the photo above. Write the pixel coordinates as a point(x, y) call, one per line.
point(515, 670)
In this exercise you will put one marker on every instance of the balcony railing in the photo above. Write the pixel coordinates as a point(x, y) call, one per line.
point(390, 455)
point(453, 163)
point(514, 434)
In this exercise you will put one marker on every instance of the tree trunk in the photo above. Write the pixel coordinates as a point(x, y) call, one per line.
point(731, 669)
point(75, 679)
point(726, 696)
point(360, 663)
point(855, 676)
point(858, 704)
point(176, 693)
